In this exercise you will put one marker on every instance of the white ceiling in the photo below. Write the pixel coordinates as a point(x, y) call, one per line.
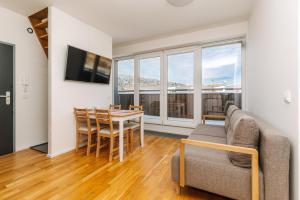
point(132, 20)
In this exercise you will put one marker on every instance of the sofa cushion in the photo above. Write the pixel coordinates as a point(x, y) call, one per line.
point(244, 133)
point(229, 113)
point(207, 138)
point(210, 130)
point(235, 116)
point(212, 171)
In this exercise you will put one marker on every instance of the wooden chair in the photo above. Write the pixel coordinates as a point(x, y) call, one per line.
point(133, 125)
point(131, 107)
point(106, 129)
point(115, 107)
point(219, 116)
point(84, 127)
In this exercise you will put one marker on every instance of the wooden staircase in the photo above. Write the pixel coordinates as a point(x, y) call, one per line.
point(39, 22)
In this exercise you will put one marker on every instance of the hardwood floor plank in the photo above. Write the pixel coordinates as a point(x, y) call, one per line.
point(144, 174)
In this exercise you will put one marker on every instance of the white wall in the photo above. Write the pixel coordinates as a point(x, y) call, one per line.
point(272, 69)
point(298, 35)
point(30, 62)
point(64, 95)
point(201, 36)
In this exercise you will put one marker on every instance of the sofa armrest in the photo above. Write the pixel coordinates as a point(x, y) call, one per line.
point(204, 117)
point(223, 147)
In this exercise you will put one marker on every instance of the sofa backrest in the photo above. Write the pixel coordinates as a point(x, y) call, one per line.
point(231, 109)
point(274, 153)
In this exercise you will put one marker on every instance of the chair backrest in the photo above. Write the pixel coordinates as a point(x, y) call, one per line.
point(82, 118)
point(131, 107)
point(103, 119)
point(228, 103)
point(115, 107)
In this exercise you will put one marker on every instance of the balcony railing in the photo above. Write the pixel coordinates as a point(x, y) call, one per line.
point(214, 99)
point(150, 99)
point(125, 98)
point(181, 101)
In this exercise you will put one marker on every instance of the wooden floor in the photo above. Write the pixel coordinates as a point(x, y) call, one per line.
point(144, 174)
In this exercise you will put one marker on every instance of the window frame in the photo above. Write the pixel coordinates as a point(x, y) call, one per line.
point(197, 50)
point(243, 64)
point(170, 121)
point(149, 118)
point(115, 76)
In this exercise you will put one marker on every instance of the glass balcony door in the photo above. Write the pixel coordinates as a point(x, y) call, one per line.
point(124, 92)
point(221, 78)
point(179, 85)
point(150, 87)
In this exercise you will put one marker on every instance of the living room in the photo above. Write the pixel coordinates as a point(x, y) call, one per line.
point(178, 98)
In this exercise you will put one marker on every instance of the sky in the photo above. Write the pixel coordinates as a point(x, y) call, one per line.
point(180, 68)
point(150, 68)
point(221, 64)
point(126, 67)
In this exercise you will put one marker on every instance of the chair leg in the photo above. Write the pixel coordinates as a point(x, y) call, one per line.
point(98, 145)
point(127, 143)
point(89, 145)
point(178, 188)
point(111, 148)
point(140, 142)
point(131, 139)
point(77, 141)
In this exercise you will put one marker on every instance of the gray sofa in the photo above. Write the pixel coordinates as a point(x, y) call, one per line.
point(213, 170)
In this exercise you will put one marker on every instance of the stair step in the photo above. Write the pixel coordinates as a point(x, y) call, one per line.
point(42, 25)
point(44, 36)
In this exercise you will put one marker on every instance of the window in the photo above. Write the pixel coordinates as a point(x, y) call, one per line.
point(125, 83)
point(178, 86)
point(221, 78)
point(180, 96)
point(149, 93)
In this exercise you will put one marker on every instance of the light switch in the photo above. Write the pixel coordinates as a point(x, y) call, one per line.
point(287, 96)
point(7, 98)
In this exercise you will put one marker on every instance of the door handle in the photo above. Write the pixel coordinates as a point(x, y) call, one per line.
point(7, 97)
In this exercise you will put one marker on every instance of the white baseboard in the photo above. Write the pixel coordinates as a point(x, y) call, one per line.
point(151, 127)
point(52, 155)
point(21, 148)
point(169, 129)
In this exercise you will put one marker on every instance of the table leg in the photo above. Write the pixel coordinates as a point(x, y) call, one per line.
point(142, 131)
point(121, 140)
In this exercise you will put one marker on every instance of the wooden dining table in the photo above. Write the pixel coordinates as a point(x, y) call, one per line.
point(122, 116)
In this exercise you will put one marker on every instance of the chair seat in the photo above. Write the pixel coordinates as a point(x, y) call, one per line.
point(132, 125)
point(85, 129)
point(106, 131)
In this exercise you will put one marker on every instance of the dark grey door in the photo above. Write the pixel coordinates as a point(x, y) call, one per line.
point(6, 99)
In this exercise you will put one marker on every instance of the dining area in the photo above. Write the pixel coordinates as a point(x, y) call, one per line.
point(110, 129)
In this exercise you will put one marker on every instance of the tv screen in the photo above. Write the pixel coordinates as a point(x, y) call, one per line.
point(86, 66)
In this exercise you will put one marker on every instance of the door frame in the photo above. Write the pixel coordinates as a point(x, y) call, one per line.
point(148, 118)
point(183, 122)
point(14, 92)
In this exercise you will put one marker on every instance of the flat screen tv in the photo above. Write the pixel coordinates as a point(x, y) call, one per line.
point(87, 67)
